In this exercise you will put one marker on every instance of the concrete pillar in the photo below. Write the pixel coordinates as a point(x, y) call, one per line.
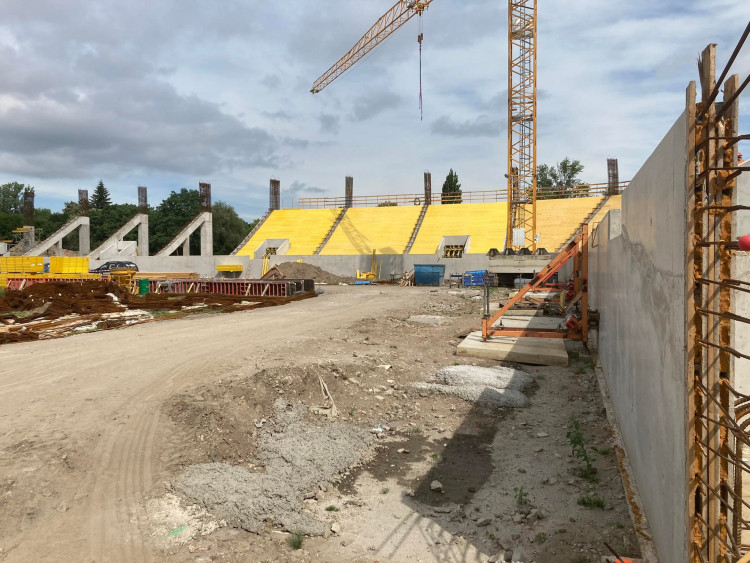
point(348, 192)
point(143, 236)
point(274, 200)
point(58, 248)
point(84, 237)
point(207, 235)
point(427, 188)
point(29, 238)
point(186, 247)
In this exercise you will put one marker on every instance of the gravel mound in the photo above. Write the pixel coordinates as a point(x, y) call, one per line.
point(480, 394)
point(297, 457)
point(490, 387)
point(300, 270)
point(498, 377)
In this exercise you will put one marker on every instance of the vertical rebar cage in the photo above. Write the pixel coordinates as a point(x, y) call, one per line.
point(83, 203)
point(204, 191)
point(522, 122)
point(719, 530)
point(142, 199)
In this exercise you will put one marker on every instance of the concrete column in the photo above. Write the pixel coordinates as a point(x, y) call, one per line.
point(84, 237)
point(58, 248)
point(186, 247)
point(348, 192)
point(143, 236)
point(427, 188)
point(29, 238)
point(207, 235)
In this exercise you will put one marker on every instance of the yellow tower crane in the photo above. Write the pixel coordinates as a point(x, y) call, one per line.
point(522, 28)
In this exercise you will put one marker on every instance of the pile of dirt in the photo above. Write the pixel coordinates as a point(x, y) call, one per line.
point(298, 458)
point(57, 299)
point(302, 271)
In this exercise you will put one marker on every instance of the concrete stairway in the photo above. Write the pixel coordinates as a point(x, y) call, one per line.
point(56, 238)
point(332, 229)
point(585, 221)
point(415, 232)
point(252, 233)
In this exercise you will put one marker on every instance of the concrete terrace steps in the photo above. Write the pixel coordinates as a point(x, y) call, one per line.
point(331, 230)
point(252, 233)
point(415, 232)
point(587, 220)
point(61, 233)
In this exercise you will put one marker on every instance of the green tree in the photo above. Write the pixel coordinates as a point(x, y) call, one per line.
point(171, 216)
point(559, 180)
point(451, 189)
point(100, 198)
point(11, 197)
point(229, 228)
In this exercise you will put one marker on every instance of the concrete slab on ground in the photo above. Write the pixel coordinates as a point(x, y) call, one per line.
point(532, 323)
point(545, 294)
point(524, 350)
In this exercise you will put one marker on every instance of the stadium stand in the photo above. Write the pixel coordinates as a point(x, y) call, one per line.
point(558, 219)
point(384, 229)
point(614, 202)
point(485, 223)
point(305, 229)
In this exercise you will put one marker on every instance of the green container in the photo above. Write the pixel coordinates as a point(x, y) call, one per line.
point(143, 286)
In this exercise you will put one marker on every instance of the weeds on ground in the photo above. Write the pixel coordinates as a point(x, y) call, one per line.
point(435, 456)
point(413, 430)
point(352, 411)
point(578, 445)
point(522, 496)
point(385, 491)
point(541, 537)
point(332, 508)
point(591, 501)
point(296, 540)
point(490, 535)
point(601, 451)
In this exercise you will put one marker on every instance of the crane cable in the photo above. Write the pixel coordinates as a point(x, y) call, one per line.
point(419, 39)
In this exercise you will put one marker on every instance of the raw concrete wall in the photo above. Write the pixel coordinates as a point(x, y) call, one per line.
point(637, 278)
point(389, 264)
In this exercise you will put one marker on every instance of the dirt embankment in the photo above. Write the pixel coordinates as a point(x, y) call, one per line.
point(300, 270)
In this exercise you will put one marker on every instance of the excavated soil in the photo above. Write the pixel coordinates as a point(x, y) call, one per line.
point(299, 270)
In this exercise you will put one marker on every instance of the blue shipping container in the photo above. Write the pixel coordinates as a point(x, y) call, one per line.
point(429, 274)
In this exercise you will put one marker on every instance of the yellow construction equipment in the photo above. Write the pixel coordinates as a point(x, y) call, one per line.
point(374, 272)
point(522, 103)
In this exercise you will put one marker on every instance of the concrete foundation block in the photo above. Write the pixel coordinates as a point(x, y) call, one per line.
point(524, 350)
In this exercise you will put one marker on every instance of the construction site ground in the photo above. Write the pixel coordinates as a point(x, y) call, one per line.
point(196, 440)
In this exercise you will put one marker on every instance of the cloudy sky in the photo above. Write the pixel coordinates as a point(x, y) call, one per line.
point(169, 93)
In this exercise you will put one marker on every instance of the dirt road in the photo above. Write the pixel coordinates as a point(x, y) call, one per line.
point(79, 416)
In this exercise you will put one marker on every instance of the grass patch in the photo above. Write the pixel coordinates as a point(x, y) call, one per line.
point(591, 501)
point(296, 540)
point(602, 451)
point(413, 430)
point(541, 537)
point(332, 508)
point(385, 491)
point(578, 446)
point(522, 496)
point(490, 535)
point(435, 456)
point(352, 411)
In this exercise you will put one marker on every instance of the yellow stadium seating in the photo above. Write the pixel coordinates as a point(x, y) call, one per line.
point(385, 229)
point(305, 229)
point(484, 222)
point(614, 202)
point(558, 219)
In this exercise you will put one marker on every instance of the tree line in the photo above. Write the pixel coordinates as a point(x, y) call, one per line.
point(165, 220)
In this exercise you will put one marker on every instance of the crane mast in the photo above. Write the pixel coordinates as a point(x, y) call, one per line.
point(522, 24)
point(522, 114)
point(388, 23)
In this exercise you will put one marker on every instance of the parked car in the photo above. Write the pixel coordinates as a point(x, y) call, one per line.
point(105, 268)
